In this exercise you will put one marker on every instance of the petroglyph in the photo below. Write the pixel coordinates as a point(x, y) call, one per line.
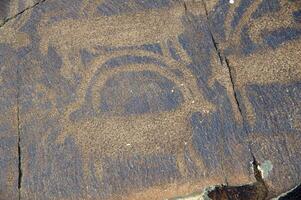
point(148, 106)
point(133, 99)
point(251, 28)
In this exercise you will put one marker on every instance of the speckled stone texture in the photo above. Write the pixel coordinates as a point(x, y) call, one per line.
point(149, 99)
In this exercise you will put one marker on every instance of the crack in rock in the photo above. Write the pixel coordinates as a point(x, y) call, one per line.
point(5, 20)
point(254, 191)
point(20, 172)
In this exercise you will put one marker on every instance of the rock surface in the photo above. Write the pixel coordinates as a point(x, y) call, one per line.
point(150, 99)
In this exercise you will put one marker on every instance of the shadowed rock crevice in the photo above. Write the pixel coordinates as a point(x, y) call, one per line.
point(7, 19)
point(255, 191)
point(185, 6)
point(223, 61)
point(20, 172)
point(215, 44)
point(294, 194)
point(19, 166)
point(233, 86)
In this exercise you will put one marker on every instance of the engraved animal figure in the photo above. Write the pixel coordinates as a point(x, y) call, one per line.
point(133, 101)
point(125, 30)
point(255, 36)
point(249, 29)
point(136, 104)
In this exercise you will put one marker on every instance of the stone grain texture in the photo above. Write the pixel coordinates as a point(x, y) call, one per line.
point(9, 9)
point(260, 41)
point(9, 171)
point(150, 99)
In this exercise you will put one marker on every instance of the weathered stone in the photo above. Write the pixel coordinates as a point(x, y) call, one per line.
point(153, 99)
point(9, 160)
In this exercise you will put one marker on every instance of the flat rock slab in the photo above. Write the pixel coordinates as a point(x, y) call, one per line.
point(153, 99)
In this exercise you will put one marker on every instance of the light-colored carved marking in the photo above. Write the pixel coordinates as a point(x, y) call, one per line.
point(15, 38)
point(13, 8)
point(189, 88)
point(274, 21)
point(181, 52)
point(262, 68)
point(228, 19)
point(189, 79)
point(220, 73)
point(234, 36)
point(193, 102)
point(196, 158)
point(125, 30)
point(149, 133)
